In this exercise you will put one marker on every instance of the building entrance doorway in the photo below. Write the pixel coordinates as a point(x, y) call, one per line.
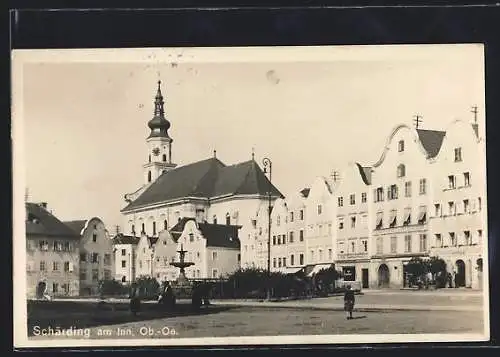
point(460, 274)
point(364, 279)
point(383, 276)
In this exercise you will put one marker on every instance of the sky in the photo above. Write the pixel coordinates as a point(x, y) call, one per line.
point(311, 111)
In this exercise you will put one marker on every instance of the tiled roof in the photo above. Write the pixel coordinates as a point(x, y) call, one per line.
point(125, 239)
point(41, 222)
point(208, 178)
point(217, 235)
point(76, 226)
point(431, 141)
point(220, 235)
point(305, 192)
point(366, 173)
point(177, 230)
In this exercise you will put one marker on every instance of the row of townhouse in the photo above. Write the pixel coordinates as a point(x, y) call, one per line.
point(65, 258)
point(424, 197)
point(213, 248)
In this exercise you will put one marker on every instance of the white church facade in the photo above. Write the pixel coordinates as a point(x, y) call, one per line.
point(208, 190)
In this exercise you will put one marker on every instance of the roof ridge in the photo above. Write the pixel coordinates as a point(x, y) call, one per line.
point(213, 166)
point(249, 171)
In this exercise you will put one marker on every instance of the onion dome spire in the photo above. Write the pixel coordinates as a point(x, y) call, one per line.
point(159, 125)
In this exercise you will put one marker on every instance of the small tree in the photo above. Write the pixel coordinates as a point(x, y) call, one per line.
point(416, 268)
point(327, 278)
point(437, 267)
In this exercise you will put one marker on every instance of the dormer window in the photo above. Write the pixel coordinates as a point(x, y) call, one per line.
point(401, 146)
point(401, 170)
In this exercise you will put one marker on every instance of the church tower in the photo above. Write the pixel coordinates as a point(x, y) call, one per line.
point(159, 142)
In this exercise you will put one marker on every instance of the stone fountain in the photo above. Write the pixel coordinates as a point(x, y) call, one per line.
point(182, 288)
point(181, 264)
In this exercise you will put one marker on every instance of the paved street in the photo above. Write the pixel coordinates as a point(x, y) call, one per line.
point(378, 312)
point(249, 321)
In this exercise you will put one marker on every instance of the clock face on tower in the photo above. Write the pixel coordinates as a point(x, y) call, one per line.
point(156, 151)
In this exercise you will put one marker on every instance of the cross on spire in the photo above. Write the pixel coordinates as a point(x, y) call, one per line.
point(253, 154)
point(215, 153)
point(474, 111)
point(417, 120)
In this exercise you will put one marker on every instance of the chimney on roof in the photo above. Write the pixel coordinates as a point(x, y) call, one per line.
point(43, 205)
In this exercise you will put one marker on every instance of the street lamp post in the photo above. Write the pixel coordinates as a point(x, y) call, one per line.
point(268, 165)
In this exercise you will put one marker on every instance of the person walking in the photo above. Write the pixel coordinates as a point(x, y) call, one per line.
point(349, 301)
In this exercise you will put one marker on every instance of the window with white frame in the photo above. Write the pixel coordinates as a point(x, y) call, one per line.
point(458, 154)
point(439, 240)
point(466, 179)
point(423, 242)
point(353, 221)
point(394, 245)
point(401, 171)
point(452, 182)
point(451, 208)
point(341, 223)
point(340, 201)
point(437, 210)
point(379, 194)
point(408, 189)
point(401, 145)
point(380, 245)
point(408, 243)
point(467, 238)
point(466, 206)
point(341, 247)
point(352, 199)
point(422, 186)
point(453, 239)
point(363, 197)
point(320, 209)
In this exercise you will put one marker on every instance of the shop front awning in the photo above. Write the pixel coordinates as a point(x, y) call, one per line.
point(317, 268)
point(292, 270)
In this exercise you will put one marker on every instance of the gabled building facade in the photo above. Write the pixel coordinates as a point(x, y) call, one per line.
point(52, 254)
point(319, 223)
point(458, 214)
point(213, 248)
point(353, 199)
point(125, 250)
point(401, 184)
point(96, 254)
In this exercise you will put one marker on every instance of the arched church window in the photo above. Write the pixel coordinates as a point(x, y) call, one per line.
point(228, 219)
point(214, 219)
point(164, 157)
point(165, 225)
point(149, 176)
point(401, 170)
point(143, 228)
point(149, 158)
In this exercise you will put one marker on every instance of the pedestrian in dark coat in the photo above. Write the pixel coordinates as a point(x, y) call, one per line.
point(135, 301)
point(349, 301)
